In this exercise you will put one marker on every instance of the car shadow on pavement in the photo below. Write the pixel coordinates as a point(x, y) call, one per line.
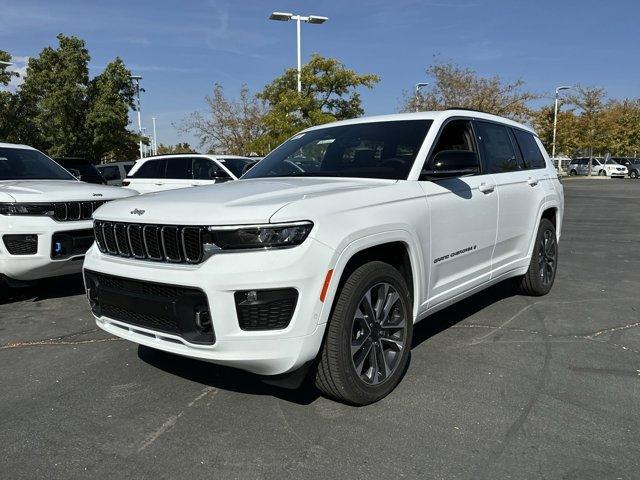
point(461, 310)
point(45, 289)
point(225, 378)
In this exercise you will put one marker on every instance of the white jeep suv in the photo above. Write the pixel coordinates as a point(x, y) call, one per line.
point(168, 172)
point(326, 253)
point(45, 215)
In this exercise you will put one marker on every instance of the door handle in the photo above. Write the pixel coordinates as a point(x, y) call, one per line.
point(532, 181)
point(485, 188)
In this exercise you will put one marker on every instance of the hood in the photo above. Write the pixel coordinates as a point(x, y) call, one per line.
point(59, 191)
point(230, 203)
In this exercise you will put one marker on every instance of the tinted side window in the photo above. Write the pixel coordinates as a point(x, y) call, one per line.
point(206, 169)
point(497, 149)
point(532, 155)
point(179, 168)
point(127, 167)
point(151, 169)
point(111, 172)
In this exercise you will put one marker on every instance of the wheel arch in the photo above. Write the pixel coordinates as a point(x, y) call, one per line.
point(398, 248)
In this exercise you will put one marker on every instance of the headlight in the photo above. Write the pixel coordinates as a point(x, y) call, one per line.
point(278, 235)
point(40, 209)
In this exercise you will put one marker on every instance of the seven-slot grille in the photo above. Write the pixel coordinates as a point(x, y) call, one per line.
point(161, 243)
point(69, 211)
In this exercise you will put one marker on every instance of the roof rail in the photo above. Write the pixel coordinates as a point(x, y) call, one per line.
point(468, 109)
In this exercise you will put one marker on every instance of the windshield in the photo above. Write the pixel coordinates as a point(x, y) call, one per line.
point(363, 150)
point(27, 164)
point(237, 166)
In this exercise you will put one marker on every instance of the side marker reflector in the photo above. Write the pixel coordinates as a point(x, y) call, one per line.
point(325, 286)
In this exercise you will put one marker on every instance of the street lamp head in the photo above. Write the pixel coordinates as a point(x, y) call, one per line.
point(281, 16)
point(7, 64)
point(421, 84)
point(136, 77)
point(564, 87)
point(316, 19)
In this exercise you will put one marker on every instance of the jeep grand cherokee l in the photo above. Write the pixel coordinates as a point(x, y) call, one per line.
point(45, 215)
point(325, 254)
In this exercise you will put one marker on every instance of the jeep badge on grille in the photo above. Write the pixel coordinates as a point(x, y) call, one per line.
point(135, 211)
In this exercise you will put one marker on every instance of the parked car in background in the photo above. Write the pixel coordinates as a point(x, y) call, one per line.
point(115, 172)
point(88, 172)
point(168, 172)
point(329, 268)
point(45, 215)
point(632, 164)
point(611, 168)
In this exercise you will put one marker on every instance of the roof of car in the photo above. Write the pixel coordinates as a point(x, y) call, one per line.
point(15, 145)
point(430, 115)
point(203, 155)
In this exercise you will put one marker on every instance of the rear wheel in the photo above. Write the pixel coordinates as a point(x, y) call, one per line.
point(368, 338)
point(602, 173)
point(544, 262)
point(573, 173)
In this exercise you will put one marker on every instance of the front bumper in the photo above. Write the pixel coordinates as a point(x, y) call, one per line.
point(265, 352)
point(40, 264)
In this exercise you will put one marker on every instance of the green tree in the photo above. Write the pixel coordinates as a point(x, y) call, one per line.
point(592, 131)
point(53, 97)
point(177, 148)
point(5, 73)
point(454, 86)
point(8, 101)
point(110, 96)
point(329, 93)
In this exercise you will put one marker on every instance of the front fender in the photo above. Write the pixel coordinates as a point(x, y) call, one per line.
point(344, 254)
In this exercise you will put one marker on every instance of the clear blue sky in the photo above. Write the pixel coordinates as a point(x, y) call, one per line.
point(183, 47)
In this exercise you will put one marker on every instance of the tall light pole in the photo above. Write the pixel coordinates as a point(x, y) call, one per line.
point(285, 17)
point(555, 124)
point(137, 78)
point(418, 87)
point(155, 138)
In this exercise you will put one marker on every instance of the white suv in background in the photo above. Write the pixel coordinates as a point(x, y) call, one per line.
point(325, 254)
point(599, 166)
point(45, 215)
point(167, 172)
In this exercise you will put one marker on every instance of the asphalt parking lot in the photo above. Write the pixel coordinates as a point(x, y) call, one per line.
point(499, 386)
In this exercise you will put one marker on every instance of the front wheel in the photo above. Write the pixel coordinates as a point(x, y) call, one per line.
point(544, 262)
point(368, 340)
point(602, 173)
point(573, 173)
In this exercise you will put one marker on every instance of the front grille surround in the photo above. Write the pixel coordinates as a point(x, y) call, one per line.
point(74, 211)
point(159, 243)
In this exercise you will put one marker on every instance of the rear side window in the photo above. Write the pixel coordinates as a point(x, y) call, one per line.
point(151, 169)
point(497, 149)
point(179, 168)
point(531, 154)
point(127, 167)
point(111, 172)
point(206, 169)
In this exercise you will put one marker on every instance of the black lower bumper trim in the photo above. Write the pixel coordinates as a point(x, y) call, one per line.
point(182, 311)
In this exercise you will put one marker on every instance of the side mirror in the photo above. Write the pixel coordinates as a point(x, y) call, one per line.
point(453, 163)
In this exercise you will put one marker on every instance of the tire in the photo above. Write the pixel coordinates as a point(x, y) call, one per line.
point(633, 174)
point(537, 282)
point(602, 173)
point(573, 173)
point(351, 377)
